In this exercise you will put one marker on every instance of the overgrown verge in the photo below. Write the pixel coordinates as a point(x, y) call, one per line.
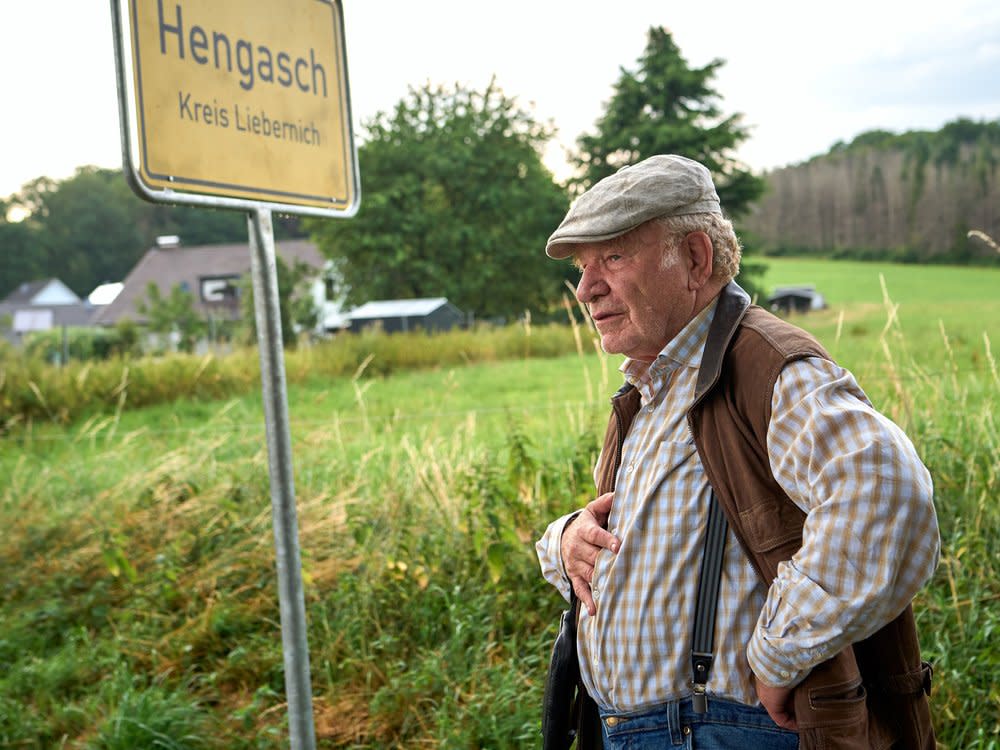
point(32, 390)
point(147, 616)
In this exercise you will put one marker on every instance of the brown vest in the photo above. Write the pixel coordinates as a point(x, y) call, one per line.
point(871, 695)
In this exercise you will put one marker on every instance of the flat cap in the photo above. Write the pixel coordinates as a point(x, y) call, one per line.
point(664, 185)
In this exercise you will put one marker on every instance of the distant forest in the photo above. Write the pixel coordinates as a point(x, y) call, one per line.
point(910, 197)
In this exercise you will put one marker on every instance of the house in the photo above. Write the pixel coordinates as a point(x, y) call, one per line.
point(212, 273)
point(393, 316)
point(801, 298)
point(41, 306)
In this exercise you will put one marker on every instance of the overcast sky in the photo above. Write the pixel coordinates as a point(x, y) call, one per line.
point(804, 75)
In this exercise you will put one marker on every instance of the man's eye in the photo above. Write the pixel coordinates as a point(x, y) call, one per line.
point(614, 257)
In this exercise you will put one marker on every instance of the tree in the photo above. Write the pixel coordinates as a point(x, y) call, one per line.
point(174, 313)
point(19, 261)
point(667, 107)
point(296, 307)
point(87, 227)
point(456, 203)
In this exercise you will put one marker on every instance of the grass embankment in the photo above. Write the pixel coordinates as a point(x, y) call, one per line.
point(139, 604)
point(32, 391)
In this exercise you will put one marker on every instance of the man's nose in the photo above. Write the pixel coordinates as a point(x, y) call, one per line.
point(591, 284)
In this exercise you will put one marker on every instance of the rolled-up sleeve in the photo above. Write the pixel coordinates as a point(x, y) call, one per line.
point(870, 539)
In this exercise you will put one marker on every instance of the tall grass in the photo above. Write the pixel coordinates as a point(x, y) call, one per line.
point(32, 390)
point(139, 603)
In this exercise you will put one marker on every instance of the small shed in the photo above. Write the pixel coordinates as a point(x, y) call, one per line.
point(398, 315)
point(801, 298)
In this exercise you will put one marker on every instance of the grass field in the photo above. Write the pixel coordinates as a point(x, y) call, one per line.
point(961, 302)
point(138, 606)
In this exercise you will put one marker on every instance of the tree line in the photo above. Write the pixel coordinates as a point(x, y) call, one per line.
point(456, 200)
point(911, 197)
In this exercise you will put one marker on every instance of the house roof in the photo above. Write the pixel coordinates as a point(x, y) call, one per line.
point(104, 294)
point(398, 308)
point(171, 266)
point(27, 292)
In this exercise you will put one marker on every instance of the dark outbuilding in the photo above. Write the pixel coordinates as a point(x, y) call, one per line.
point(798, 299)
point(394, 316)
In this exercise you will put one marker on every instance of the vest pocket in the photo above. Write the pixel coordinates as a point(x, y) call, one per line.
point(771, 523)
point(844, 698)
point(833, 716)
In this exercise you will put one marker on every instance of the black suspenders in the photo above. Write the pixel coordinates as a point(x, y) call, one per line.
point(707, 602)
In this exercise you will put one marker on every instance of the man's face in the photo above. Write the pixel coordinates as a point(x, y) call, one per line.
point(638, 300)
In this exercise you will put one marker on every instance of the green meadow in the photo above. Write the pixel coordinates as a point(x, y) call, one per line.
point(138, 606)
point(939, 307)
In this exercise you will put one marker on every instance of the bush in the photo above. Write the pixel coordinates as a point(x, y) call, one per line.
point(83, 344)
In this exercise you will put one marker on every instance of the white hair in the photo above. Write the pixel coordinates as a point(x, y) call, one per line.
point(726, 248)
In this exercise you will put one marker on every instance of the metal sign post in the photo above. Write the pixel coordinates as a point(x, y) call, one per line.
point(244, 104)
point(279, 452)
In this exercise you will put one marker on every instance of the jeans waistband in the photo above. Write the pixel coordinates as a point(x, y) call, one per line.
point(678, 717)
point(664, 716)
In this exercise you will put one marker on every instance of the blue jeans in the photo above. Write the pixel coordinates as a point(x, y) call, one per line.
point(727, 725)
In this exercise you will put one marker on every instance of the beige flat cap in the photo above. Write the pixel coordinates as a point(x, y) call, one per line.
point(664, 185)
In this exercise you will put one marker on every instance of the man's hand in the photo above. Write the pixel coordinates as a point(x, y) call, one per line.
point(582, 540)
point(779, 704)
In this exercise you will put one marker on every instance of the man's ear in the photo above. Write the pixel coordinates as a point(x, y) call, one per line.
point(696, 249)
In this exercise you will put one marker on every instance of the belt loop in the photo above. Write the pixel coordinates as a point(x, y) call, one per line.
point(674, 722)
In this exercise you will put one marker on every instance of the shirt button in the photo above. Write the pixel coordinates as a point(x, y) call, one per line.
point(650, 408)
point(629, 469)
point(785, 673)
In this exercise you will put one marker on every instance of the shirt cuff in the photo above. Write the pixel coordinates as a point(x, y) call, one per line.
point(549, 551)
point(767, 664)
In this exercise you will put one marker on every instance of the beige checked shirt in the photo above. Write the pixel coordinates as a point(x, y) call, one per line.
point(869, 543)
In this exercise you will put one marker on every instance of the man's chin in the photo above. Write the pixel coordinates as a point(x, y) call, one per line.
point(610, 345)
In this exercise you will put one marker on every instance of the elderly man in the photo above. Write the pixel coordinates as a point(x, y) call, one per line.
point(831, 526)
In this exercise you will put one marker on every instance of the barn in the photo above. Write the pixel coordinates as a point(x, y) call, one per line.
point(399, 315)
point(798, 299)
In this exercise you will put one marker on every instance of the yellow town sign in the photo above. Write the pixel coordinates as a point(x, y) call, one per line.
point(246, 100)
